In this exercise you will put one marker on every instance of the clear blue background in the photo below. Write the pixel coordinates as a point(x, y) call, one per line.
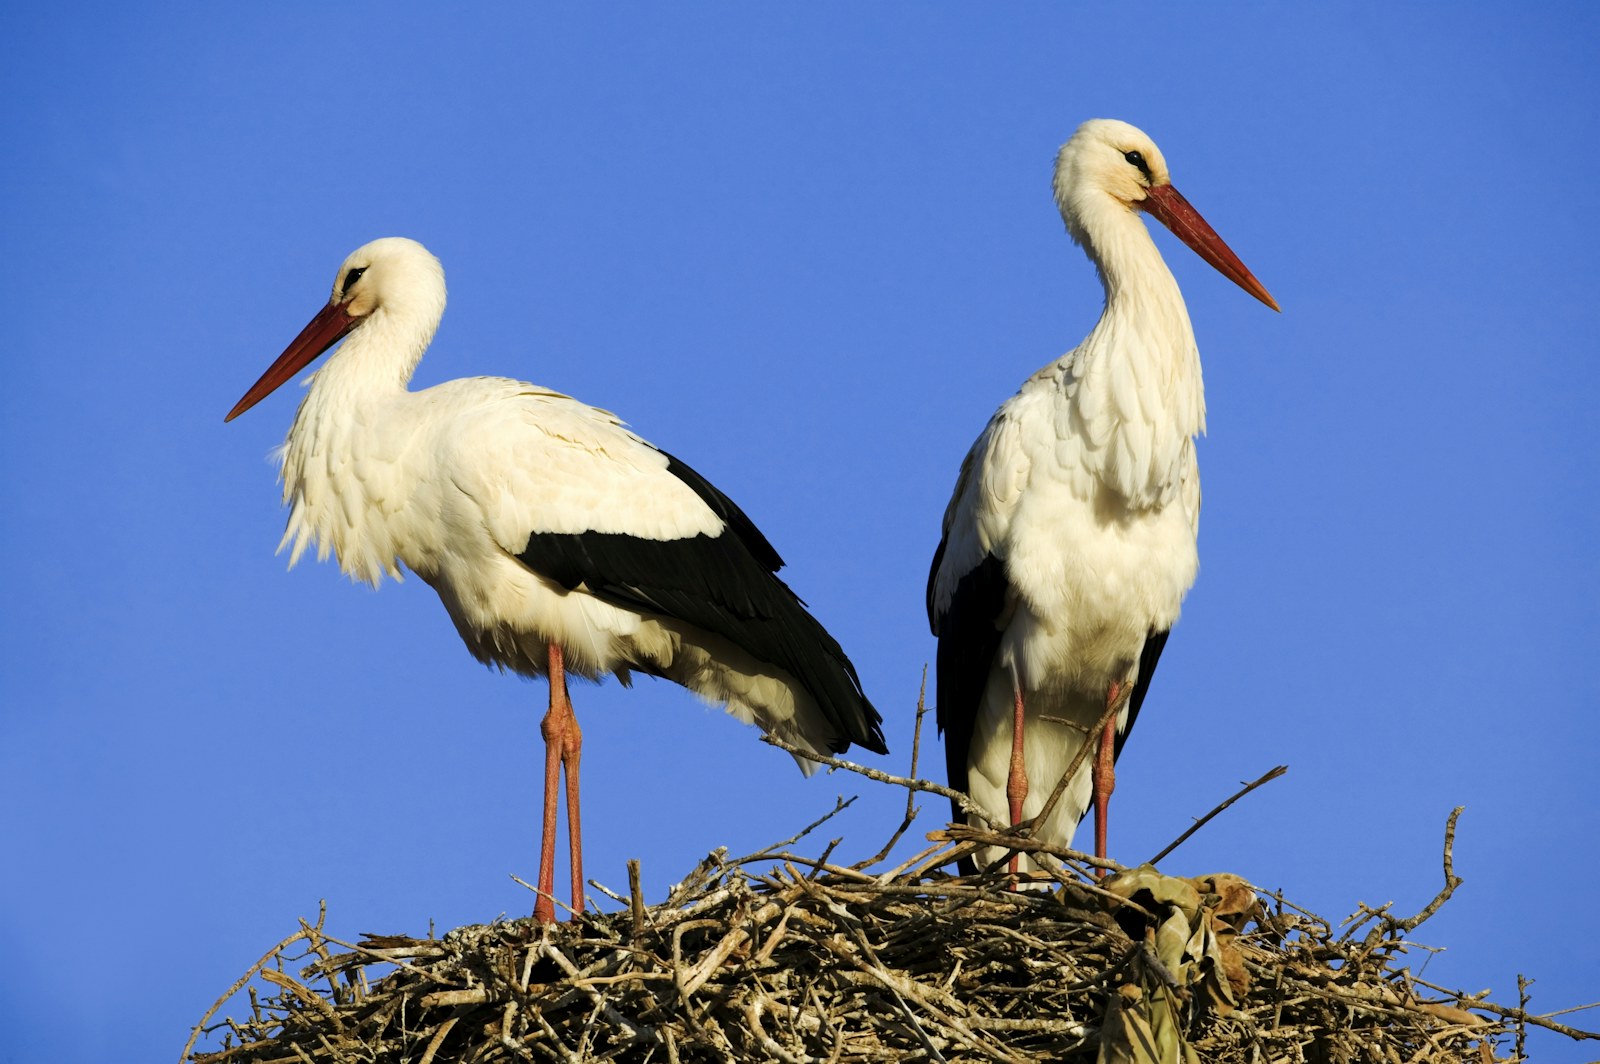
point(808, 251)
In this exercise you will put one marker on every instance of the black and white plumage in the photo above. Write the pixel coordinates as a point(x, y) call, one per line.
point(558, 540)
point(1070, 539)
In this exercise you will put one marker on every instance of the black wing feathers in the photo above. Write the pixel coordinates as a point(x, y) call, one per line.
point(730, 513)
point(725, 585)
point(1148, 656)
point(969, 639)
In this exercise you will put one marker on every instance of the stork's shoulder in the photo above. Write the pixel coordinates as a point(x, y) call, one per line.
point(1027, 451)
point(473, 408)
point(978, 517)
point(535, 460)
point(1002, 460)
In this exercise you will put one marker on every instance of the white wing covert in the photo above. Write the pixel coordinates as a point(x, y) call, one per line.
point(539, 461)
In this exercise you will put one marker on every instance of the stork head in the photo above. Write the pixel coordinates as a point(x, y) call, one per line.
point(388, 273)
point(1108, 158)
point(392, 280)
point(1107, 170)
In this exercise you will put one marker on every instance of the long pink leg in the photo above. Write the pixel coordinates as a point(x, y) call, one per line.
point(571, 750)
point(563, 742)
point(1105, 776)
point(1017, 781)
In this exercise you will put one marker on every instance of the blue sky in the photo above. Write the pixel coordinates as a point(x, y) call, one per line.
point(808, 251)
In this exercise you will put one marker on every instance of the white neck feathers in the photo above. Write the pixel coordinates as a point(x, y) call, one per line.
point(341, 461)
point(1134, 384)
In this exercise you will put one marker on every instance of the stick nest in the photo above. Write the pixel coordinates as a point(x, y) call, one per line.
point(779, 957)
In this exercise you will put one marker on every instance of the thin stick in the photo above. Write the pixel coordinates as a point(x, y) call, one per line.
point(1521, 1015)
point(1522, 1003)
point(1077, 762)
point(911, 795)
point(967, 804)
point(1451, 880)
point(1570, 1008)
point(840, 804)
point(1390, 927)
point(1203, 821)
point(636, 898)
point(551, 897)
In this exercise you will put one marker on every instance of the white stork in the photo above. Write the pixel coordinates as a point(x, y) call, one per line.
point(559, 541)
point(1070, 539)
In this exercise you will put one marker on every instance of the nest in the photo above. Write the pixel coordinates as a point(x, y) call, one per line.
point(775, 956)
point(778, 956)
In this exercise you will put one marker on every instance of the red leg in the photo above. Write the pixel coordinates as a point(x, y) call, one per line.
point(562, 743)
point(1017, 781)
point(1105, 775)
point(572, 747)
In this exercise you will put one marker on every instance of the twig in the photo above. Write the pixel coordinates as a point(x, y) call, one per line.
point(636, 899)
point(1203, 821)
point(1451, 880)
point(1521, 1015)
point(1390, 928)
point(524, 883)
point(549, 950)
point(911, 794)
point(1077, 762)
point(967, 804)
point(840, 804)
point(1523, 997)
point(1569, 1009)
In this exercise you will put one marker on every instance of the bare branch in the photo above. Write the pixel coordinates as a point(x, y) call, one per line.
point(967, 804)
point(1203, 821)
point(911, 794)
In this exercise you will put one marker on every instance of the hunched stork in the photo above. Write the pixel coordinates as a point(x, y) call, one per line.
point(558, 541)
point(1069, 541)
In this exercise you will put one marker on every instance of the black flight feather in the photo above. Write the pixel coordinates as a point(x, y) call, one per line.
point(1149, 654)
point(725, 585)
point(969, 639)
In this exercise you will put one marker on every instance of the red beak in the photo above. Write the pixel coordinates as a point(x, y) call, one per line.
point(1167, 206)
point(321, 333)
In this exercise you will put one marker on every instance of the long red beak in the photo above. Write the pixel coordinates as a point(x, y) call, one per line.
point(1167, 206)
point(320, 333)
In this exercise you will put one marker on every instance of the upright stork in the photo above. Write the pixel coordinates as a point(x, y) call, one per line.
point(558, 541)
point(1069, 542)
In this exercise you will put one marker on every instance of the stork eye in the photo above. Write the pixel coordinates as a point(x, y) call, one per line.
point(351, 278)
point(1137, 159)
